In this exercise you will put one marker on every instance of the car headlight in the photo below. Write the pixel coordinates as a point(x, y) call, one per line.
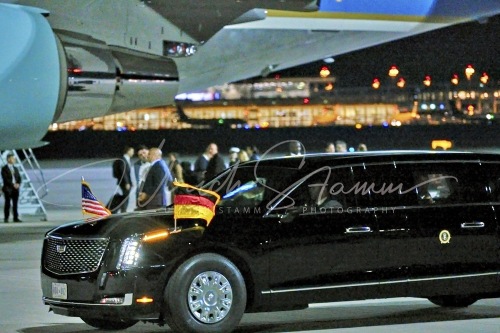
point(131, 247)
point(129, 253)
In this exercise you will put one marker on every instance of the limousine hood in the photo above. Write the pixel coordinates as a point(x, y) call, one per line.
point(117, 226)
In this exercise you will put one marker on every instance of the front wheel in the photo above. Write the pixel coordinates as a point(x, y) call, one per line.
point(453, 301)
point(207, 293)
point(109, 324)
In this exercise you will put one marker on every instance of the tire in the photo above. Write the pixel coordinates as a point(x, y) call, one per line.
point(453, 301)
point(195, 301)
point(109, 324)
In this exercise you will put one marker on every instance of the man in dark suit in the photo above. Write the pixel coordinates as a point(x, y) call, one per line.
point(154, 189)
point(122, 173)
point(201, 163)
point(141, 167)
point(215, 166)
point(11, 184)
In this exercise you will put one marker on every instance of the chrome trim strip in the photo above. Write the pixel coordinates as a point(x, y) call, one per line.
point(75, 238)
point(472, 225)
point(367, 284)
point(49, 301)
point(357, 230)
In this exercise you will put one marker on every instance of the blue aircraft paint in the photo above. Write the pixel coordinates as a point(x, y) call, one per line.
point(445, 8)
point(398, 7)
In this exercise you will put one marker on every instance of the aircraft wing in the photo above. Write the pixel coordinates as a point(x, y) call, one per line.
point(203, 19)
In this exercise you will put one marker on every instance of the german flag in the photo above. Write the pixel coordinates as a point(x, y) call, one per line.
point(199, 204)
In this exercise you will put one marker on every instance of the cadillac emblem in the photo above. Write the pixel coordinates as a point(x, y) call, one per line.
point(61, 248)
point(444, 237)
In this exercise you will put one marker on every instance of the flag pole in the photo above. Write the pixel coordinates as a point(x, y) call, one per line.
point(83, 211)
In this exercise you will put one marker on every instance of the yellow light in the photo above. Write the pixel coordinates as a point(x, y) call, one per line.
point(401, 83)
point(393, 71)
point(469, 71)
point(484, 78)
point(427, 81)
point(454, 79)
point(152, 236)
point(358, 126)
point(376, 83)
point(144, 299)
point(329, 87)
point(324, 72)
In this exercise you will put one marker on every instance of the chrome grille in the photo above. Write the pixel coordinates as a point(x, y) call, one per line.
point(71, 255)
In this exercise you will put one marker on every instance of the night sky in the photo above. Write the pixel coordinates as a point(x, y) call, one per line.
point(438, 53)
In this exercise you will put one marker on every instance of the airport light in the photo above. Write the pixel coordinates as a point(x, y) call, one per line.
point(401, 82)
point(470, 109)
point(484, 78)
point(324, 72)
point(393, 71)
point(427, 81)
point(454, 79)
point(469, 71)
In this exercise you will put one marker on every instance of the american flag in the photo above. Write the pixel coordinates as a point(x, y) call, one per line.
point(90, 204)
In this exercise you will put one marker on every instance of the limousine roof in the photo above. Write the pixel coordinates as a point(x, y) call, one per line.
point(377, 157)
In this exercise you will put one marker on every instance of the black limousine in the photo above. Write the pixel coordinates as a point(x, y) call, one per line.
point(286, 233)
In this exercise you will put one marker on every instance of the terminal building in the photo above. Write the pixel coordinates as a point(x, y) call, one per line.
point(305, 102)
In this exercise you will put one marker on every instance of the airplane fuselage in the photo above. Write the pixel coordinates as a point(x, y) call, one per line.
point(86, 59)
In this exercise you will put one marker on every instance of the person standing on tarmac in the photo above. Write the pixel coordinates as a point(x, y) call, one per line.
point(11, 184)
point(201, 163)
point(154, 191)
point(141, 167)
point(122, 172)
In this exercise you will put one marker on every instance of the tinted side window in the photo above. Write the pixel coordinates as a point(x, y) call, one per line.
point(448, 183)
point(322, 188)
point(382, 186)
point(492, 173)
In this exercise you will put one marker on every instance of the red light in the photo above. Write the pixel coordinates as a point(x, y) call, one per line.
point(324, 72)
point(484, 78)
point(306, 100)
point(75, 70)
point(277, 77)
point(393, 71)
point(427, 81)
point(401, 82)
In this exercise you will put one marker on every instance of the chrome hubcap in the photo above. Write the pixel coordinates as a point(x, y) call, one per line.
point(210, 297)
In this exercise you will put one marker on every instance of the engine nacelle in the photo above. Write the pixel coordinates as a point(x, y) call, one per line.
point(30, 76)
point(104, 79)
point(51, 76)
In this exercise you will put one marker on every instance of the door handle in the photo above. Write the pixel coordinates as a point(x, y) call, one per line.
point(354, 230)
point(470, 225)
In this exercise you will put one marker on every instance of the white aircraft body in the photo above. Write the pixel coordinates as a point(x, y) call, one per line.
point(63, 60)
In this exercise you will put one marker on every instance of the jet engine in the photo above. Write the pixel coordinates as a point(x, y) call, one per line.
point(49, 76)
